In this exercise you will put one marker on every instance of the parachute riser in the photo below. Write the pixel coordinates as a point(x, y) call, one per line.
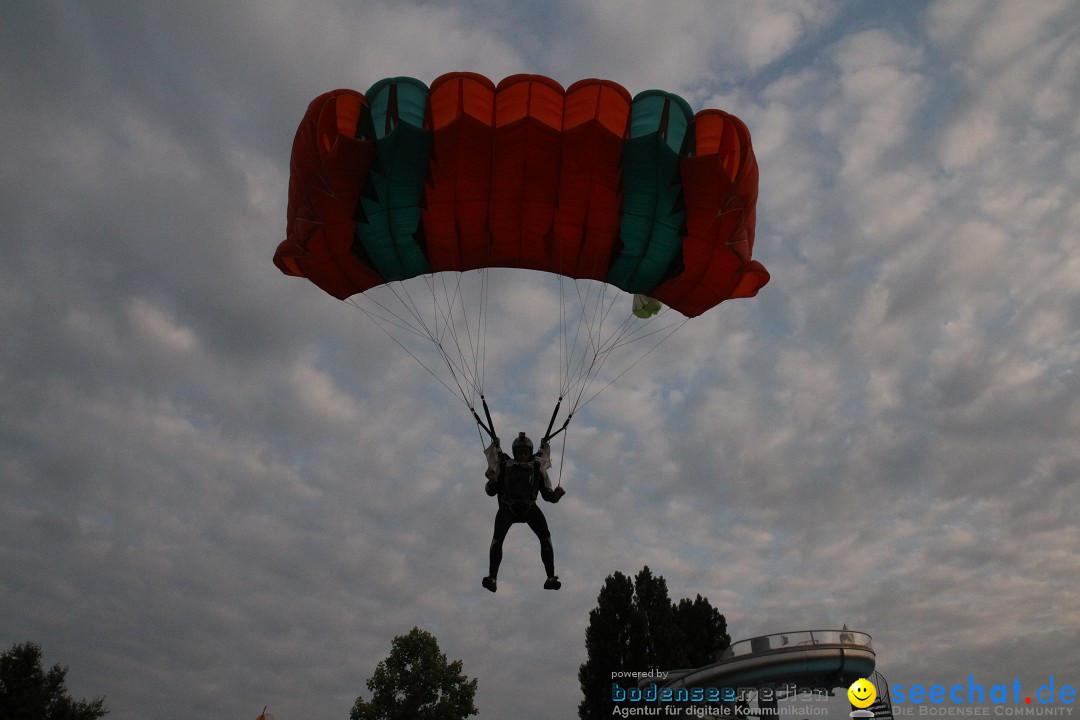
point(548, 437)
point(490, 427)
point(551, 423)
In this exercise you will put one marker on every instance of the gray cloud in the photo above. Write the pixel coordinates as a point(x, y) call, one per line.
point(222, 489)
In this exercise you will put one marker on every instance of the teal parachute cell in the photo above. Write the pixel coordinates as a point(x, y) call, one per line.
point(390, 208)
point(653, 218)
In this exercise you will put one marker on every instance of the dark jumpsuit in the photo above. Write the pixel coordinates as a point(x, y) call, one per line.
point(517, 509)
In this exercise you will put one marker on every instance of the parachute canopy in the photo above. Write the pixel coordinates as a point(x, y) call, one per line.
point(586, 182)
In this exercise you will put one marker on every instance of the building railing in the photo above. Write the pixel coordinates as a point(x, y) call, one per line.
point(778, 642)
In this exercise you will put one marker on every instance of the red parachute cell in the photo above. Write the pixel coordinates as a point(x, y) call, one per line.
point(329, 162)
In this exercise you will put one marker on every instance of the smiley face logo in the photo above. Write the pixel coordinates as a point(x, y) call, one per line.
point(862, 693)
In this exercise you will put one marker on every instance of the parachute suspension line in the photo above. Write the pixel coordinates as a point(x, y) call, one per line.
point(672, 328)
point(479, 428)
point(458, 368)
point(390, 318)
point(479, 353)
point(595, 310)
point(445, 325)
point(483, 322)
point(567, 346)
point(382, 323)
point(575, 362)
point(578, 352)
point(455, 321)
point(586, 346)
point(451, 302)
point(562, 457)
point(562, 338)
point(481, 362)
point(477, 342)
point(599, 338)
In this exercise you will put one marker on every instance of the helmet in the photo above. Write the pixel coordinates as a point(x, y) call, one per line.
point(521, 442)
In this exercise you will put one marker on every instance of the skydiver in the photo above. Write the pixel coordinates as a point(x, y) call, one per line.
point(517, 480)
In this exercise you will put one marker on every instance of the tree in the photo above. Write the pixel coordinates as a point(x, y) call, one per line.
point(636, 628)
point(661, 640)
point(704, 631)
point(608, 640)
point(29, 692)
point(417, 683)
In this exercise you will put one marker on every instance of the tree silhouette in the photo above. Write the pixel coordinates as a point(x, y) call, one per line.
point(29, 692)
point(636, 628)
point(704, 631)
point(417, 683)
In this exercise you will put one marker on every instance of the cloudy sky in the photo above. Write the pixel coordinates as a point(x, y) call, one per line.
point(222, 489)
